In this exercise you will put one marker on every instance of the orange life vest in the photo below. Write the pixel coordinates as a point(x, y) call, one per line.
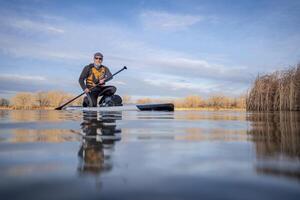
point(95, 76)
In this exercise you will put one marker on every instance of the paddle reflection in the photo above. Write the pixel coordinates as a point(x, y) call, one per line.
point(99, 134)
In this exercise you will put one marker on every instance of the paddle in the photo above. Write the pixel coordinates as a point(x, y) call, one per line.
point(60, 107)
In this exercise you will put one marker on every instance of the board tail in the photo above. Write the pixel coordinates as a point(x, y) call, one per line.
point(156, 107)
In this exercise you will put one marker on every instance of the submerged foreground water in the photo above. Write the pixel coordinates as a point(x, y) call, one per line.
point(149, 155)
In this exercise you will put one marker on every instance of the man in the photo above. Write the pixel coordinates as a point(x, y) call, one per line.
point(95, 75)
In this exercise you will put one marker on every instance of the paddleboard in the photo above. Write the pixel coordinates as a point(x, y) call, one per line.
point(138, 107)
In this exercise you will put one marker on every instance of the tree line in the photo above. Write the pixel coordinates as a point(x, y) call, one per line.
point(52, 99)
point(277, 91)
point(39, 100)
point(196, 101)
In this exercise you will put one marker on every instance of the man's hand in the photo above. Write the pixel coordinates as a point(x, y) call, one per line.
point(102, 82)
point(86, 90)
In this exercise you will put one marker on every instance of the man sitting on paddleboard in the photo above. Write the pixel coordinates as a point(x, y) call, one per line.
point(95, 75)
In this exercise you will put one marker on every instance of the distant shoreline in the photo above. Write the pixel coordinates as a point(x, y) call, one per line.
point(210, 109)
point(176, 109)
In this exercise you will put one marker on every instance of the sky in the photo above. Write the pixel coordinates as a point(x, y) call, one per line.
point(171, 48)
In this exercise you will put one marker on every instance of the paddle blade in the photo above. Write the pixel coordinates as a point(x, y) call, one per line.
point(58, 108)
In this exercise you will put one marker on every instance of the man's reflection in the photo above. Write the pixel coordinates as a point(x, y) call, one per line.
point(99, 134)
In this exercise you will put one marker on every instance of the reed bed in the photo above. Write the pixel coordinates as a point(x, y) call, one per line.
point(278, 91)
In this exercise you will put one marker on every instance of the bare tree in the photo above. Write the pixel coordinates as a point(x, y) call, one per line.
point(216, 101)
point(23, 100)
point(144, 100)
point(4, 102)
point(56, 98)
point(42, 99)
point(193, 101)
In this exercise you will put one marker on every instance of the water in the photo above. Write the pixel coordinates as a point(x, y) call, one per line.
point(149, 155)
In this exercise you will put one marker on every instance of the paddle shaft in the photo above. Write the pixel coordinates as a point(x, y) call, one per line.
point(60, 107)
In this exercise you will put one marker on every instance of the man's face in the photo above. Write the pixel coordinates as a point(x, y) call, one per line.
point(97, 60)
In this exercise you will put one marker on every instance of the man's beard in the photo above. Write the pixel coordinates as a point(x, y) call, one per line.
point(97, 65)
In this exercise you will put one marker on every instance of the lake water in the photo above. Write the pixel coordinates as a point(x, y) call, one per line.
point(149, 155)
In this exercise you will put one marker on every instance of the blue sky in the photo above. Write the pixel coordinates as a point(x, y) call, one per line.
point(171, 48)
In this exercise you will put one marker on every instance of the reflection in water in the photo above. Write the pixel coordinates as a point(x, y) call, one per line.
point(277, 142)
point(43, 135)
point(163, 155)
point(99, 133)
point(213, 134)
point(211, 115)
point(276, 134)
point(4, 114)
point(38, 115)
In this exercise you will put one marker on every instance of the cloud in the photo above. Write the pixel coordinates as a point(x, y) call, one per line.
point(17, 77)
point(179, 64)
point(15, 46)
point(169, 73)
point(11, 83)
point(178, 85)
point(199, 68)
point(168, 21)
point(29, 25)
point(114, 82)
point(200, 86)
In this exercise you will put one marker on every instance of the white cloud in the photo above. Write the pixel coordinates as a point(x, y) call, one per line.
point(17, 77)
point(36, 26)
point(181, 86)
point(168, 21)
point(11, 83)
point(18, 47)
point(193, 68)
point(178, 85)
point(179, 64)
point(117, 82)
point(121, 47)
point(31, 25)
point(183, 61)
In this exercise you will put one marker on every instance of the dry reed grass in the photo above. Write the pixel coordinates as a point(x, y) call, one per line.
point(279, 91)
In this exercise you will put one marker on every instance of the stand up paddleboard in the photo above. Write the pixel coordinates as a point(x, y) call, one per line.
point(139, 107)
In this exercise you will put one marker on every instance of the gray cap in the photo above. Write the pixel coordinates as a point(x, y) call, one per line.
point(98, 54)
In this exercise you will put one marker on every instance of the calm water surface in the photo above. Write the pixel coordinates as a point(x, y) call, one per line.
point(149, 155)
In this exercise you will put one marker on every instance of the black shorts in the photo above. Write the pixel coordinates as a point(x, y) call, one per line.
point(92, 96)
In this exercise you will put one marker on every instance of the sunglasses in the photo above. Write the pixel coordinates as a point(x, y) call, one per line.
point(98, 58)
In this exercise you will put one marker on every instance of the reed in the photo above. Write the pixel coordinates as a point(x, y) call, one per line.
point(278, 91)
